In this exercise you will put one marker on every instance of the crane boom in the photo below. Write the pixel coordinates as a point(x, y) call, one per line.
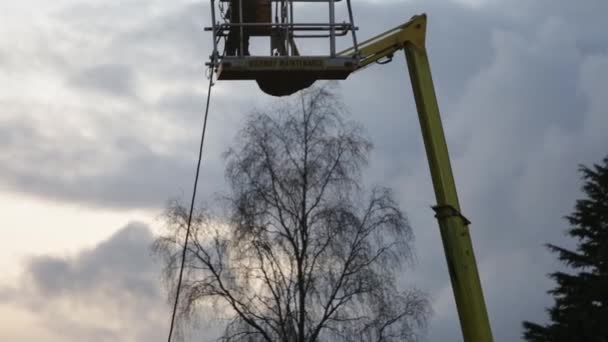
point(285, 73)
point(454, 227)
point(387, 43)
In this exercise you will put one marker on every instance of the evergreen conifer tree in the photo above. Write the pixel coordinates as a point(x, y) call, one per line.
point(580, 312)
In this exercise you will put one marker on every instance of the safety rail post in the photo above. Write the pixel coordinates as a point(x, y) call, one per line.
point(285, 20)
point(291, 35)
point(352, 27)
point(213, 25)
point(453, 225)
point(332, 29)
point(286, 24)
point(241, 29)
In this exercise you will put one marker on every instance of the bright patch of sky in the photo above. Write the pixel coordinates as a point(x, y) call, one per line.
point(32, 226)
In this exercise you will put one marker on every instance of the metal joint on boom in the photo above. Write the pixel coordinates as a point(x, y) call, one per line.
point(387, 43)
point(446, 211)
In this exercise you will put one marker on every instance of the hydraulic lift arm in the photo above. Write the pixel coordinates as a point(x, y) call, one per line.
point(387, 43)
point(457, 244)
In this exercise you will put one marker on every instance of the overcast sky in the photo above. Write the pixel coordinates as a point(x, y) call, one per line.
point(100, 117)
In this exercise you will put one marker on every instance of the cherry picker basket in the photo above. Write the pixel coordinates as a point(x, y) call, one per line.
point(284, 69)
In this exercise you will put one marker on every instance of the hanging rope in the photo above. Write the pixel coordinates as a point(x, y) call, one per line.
point(198, 168)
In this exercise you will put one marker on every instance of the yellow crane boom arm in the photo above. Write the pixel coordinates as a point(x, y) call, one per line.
point(454, 227)
point(387, 43)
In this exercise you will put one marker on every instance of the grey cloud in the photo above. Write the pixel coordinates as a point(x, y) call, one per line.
point(146, 179)
point(186, 106)
point(117, 279)
point(111, 292)
point(122, 263)
point(520, 86)
point(112, 79)
point(130, 46)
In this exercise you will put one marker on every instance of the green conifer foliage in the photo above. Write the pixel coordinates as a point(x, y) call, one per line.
point(580, 312)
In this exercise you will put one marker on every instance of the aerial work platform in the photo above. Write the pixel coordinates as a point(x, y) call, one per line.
point(282, 75)
point(283, 70)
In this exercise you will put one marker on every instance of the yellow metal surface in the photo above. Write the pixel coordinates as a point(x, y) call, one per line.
point(462, 266)
point(453, 226)
point(387, 43)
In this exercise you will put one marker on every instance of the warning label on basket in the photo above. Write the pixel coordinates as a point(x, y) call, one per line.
point(299, 63)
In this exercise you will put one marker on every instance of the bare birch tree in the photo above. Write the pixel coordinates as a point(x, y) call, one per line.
point(298, 251)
